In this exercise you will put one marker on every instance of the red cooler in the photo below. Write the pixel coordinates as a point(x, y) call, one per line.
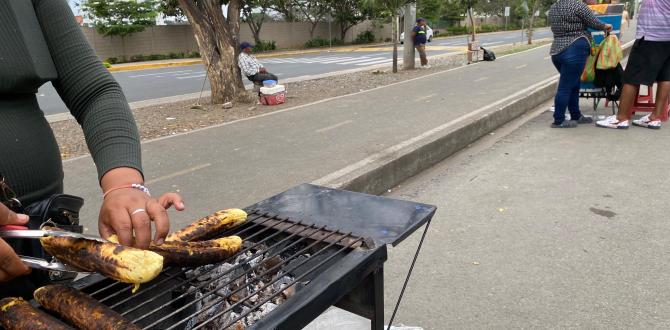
point(273, 95)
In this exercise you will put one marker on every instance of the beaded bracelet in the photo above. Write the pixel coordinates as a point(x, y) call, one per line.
point(133, 186)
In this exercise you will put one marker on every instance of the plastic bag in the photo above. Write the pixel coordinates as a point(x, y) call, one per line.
point(610, 53)
point(589, 73)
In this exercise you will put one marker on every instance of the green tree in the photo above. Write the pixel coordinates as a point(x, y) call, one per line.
point(254, 12)
point(348, 13)
point(170, 8)
point(287, 9)
point(390, 8)
point(429, 9)
point(120, 18)
point(313, 11)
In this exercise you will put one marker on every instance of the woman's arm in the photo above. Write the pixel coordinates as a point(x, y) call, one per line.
point(586, 15)
point(97, 102)
point(94, 98)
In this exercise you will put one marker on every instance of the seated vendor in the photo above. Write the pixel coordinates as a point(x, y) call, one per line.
point(251, 67)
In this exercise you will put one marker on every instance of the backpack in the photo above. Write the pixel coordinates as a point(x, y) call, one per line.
point(488, 55)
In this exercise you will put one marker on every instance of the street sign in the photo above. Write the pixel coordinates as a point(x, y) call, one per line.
point(507, 11)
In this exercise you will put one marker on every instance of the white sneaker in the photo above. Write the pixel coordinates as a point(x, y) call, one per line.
point(427, 66)
point(612, 122)
point(647, 122)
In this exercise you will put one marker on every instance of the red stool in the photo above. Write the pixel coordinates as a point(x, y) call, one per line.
point(646, 103)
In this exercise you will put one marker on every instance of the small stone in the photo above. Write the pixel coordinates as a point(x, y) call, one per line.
point(228, 105)
point(170, 118)
point(476, 263)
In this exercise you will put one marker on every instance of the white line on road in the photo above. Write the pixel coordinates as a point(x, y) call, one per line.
point(361, 59)
point(521, 66)
point(376, 62)
point(481, 79)
point(180, 173)
point(321, 130)
point(187, 73)
point(158, 74)
point(423, 98)
point(191, 77)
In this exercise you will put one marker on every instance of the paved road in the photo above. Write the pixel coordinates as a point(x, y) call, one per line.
point(541, 229)
point(155, 83)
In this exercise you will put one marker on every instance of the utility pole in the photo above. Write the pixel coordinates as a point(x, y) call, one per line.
point(410, 19)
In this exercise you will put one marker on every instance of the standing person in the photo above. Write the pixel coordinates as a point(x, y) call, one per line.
point(648, 62)
point(46, 44)
point(251, 67)
point(420, 37)
point(569, 20)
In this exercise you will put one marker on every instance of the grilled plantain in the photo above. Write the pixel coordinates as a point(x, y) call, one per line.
point(190, 254)
point(79, 309)
point(121, 263)
point(16, 313)
point(209, 226)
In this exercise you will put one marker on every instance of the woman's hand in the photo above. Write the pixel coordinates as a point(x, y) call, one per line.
point(128, 212)
point(10, 264)
point(608, 27)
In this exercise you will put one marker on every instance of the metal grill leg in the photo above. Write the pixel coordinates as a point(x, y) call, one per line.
point(377, 321)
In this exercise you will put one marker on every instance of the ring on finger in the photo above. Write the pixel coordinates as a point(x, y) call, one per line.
point(138, 211)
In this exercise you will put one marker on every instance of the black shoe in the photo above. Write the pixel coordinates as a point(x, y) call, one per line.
point(584, 120)
point(565, 124)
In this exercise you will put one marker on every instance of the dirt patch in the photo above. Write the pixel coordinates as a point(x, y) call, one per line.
point(179, 117)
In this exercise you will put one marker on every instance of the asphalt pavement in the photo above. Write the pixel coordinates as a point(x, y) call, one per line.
point(150, 84)
point(542, 228)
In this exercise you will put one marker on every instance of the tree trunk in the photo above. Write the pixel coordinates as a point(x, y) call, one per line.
point(343, 31)
point(531, 21)
point(217, 38)
point(472, 24)
point(394, 28)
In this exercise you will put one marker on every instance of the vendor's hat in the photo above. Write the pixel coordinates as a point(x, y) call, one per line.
point(246, 45)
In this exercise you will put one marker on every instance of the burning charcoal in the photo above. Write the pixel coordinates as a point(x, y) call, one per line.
point(271, 263)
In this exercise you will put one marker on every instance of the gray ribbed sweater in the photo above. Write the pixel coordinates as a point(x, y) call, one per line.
point(39, 42)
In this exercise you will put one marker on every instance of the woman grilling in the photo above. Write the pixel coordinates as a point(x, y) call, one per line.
point(39, 42)
point(569, 20)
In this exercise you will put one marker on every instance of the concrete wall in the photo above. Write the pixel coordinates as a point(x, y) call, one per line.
point(154, 40)
point(167, 39)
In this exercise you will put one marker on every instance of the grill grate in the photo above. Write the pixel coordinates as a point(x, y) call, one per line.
point(170, 302)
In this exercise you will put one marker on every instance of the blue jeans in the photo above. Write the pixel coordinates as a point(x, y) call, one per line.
point(570, 64)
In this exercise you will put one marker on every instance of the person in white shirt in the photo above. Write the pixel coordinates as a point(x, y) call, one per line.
point(251, 67)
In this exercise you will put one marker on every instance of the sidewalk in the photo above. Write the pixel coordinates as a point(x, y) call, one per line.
point(543, 228)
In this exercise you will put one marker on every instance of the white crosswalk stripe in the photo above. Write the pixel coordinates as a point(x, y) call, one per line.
point(342, 60)
point(386, 60)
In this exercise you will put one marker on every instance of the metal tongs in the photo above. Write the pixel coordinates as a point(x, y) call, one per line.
point(11, 231)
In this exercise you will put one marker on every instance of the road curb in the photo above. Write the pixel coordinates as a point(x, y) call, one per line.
point(134, 67)
point(390, 167)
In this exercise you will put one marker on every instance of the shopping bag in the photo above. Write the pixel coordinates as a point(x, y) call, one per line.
point(589, 73)
point(610, 53)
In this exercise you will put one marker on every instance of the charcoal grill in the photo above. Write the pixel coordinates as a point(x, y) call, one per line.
point(331, 244)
